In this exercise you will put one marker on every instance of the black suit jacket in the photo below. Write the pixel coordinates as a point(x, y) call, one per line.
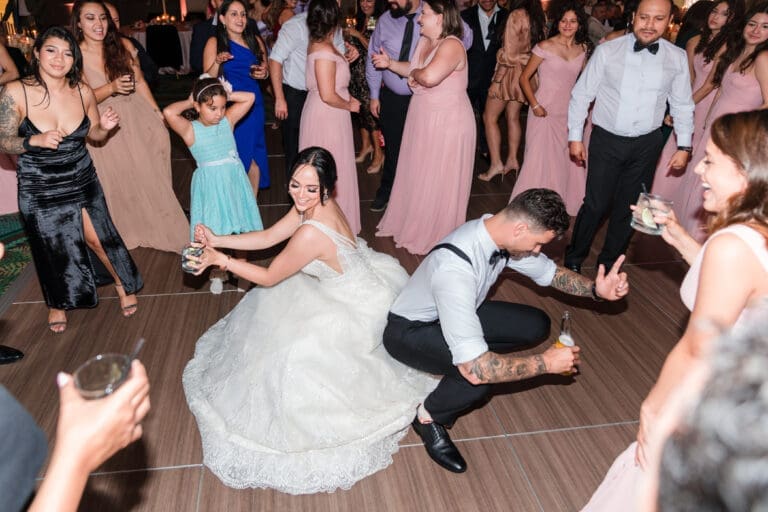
point(482, 61)
point(203, 31)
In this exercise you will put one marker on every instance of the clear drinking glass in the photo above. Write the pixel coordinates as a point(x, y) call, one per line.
point(649, 205)
point(102, 375)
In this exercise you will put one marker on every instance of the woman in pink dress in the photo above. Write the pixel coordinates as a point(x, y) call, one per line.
point(733, 178)
point(724, 21)
point(326, 120)
point(742, 75)
point(434, 172)
point(558, 62)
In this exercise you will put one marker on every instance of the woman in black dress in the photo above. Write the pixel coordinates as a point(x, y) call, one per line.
point(45, 119)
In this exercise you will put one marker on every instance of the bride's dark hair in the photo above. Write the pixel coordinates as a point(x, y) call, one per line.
point(323, 162)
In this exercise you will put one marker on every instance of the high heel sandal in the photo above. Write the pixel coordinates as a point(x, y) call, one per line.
point(57, 326)
point(363, 156)
point(489, 175)
point(130, 309)
point(375, 168)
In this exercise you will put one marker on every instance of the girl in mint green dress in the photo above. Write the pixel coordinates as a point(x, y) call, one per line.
point(222, 197)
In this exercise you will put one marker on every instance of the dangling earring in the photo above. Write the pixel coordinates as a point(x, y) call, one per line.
point(325, 196)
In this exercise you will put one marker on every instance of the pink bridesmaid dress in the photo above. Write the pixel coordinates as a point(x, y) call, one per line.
point(331, 128)
point(434, 172)
point(677, 185)
point(738, 93)
point(547, 163)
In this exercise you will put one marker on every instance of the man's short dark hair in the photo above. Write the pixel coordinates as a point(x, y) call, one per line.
point(542, 208)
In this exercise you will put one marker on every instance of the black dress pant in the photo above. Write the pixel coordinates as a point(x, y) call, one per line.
point(394, 109)
point(421, 345)
point(294, 99)
point(617, 169)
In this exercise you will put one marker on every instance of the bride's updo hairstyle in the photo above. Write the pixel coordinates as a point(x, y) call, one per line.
point(325, 166)
point(742, 137)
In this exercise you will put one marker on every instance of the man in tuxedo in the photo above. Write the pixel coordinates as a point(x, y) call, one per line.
point(630, 80)
point(487, 20)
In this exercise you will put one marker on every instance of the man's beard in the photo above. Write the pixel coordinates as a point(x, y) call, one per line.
point(398, 12)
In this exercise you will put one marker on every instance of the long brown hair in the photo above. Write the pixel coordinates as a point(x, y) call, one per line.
point(736, 45)
point(742, 138)
point(117, 60)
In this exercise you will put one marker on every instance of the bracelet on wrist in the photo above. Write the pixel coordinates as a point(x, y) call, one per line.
point(536, 106)
point(595, 296)
point(687, 149)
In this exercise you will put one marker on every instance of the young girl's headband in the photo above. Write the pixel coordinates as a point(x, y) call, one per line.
point(222, 81)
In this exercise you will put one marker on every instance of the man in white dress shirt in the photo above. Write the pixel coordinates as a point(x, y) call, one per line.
point(287, 68)
point(630, 79)
point(442, 323)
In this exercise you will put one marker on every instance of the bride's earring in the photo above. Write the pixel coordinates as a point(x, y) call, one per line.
point(325, 197)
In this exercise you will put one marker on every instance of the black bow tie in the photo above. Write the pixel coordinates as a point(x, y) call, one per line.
point(497, 255)
point(653, 47)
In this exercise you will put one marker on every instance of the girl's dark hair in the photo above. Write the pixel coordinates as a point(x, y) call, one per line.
point(558, 11)
point(709, 45)
point(741, 137)
point(324, 164)
point(203, 91)
point(73, 75)
point(323, 16)
point(117, 60)
point(736, 45)
point(222, 38)
point(535, 16)
point(452, 25)
point(379, 6)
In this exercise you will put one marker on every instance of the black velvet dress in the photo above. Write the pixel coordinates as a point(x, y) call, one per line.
point(54, 187)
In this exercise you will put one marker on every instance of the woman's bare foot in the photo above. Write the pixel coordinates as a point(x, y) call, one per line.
point(57, 320)
point(129, 304)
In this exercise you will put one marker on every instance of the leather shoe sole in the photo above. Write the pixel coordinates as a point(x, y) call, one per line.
point(439, 446)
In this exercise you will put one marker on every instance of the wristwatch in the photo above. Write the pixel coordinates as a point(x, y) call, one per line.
point(687, 149)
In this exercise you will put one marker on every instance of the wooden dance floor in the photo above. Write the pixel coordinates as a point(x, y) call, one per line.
point(542, 445)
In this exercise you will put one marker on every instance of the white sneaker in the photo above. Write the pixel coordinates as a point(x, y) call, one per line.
point(217, 286)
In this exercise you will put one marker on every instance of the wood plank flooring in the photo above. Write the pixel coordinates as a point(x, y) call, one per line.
point(541, 445)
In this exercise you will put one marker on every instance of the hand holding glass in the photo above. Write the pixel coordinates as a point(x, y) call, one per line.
point(648, 206)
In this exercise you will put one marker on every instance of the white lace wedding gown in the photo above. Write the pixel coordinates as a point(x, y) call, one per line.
point(293, 389)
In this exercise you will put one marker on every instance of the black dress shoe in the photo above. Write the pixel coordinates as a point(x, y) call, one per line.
point(439, 446)
point(574, 268)
point(9, 355)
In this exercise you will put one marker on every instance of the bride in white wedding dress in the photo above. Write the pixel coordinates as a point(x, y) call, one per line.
point(293, 389)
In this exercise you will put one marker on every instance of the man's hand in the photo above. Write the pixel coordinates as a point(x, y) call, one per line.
point(679, 160)
point(577, 151)
point(281, 109)
point(561, 359)
point(614, 285)
point(375, 108)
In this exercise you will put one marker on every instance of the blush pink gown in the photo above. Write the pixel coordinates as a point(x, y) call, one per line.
point(677, 186)
point(625, 483)
point(434, 172)
point(738, 93)
point(331, 128)
point(546, 163)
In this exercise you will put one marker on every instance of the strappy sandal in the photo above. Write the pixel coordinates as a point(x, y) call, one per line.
point(130, 309)
point(53, 327)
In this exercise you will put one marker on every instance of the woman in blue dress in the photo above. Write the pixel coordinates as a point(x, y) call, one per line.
point(240, 55)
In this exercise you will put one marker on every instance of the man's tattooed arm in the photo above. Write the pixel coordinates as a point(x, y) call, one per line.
point(10, 142)
point(572, 283)
point(490, 368)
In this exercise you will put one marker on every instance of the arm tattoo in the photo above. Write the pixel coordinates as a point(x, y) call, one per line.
point(10, 142)
point(491, 368)
point(572, 283)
